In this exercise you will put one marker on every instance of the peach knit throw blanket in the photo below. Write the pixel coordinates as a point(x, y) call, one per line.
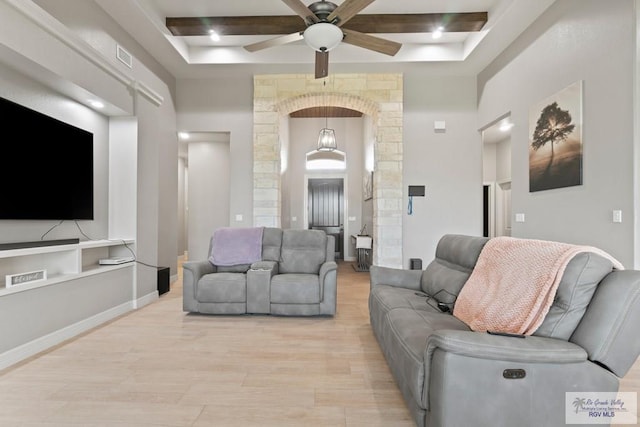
point(514, 283)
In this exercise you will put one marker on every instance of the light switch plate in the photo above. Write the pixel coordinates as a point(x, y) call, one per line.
point(617, 216)
point(239, 217)
point(519, 217)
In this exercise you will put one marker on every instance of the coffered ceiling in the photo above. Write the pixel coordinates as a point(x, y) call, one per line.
point(198, 56)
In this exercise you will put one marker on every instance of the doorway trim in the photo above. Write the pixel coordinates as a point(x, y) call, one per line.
point(491, 186)
point(345, 192)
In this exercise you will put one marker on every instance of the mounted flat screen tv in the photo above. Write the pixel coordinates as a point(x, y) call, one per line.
point(46, 167)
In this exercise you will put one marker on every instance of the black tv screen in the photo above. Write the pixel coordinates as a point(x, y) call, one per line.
point(46, 167)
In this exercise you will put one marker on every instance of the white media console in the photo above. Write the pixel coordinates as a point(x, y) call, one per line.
point(78, 294)
point(62, 262)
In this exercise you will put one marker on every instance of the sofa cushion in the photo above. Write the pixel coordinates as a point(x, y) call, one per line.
point(576, 288)
point(404, 339)
point(456, 255)
point(295, 288)
point(240, 268)
point(271, 244)
point(303, 251)
point(387, 298)
point(222, 287)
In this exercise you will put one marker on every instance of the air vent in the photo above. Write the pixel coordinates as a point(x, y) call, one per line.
point(124, 56)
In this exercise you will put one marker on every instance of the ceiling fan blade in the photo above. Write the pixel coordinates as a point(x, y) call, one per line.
point(322, 64)
point(276, 41)
point(348, 10)
point(302, 10)
point(370, 42)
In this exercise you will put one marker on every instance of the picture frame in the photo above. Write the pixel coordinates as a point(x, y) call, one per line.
point(367, 186)
point(555, 140)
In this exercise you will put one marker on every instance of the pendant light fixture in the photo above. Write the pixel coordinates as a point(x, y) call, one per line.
point(327, 137)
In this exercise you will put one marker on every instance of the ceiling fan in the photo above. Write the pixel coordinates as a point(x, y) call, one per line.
point(325, 25)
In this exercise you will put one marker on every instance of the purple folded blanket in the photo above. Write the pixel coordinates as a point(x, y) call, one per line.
point(233, 246)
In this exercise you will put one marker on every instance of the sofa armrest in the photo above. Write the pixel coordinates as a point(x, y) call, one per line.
point(409, 279)
point(192, 272)
point(472, 352)
point(327, 277)
point(199, 268)
point(259, 286)
point(530, 349)
point(272, 266)
point(514, 376)
point(325, 280)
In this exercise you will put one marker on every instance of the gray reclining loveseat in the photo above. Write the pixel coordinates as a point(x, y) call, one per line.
point(296, 275)
point(450, 375)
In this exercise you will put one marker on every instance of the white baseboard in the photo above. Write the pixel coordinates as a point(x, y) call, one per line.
point(146, 299)
point(349, 258)
point(38, 345)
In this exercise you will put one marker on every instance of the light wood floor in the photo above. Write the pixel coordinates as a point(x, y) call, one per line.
point(158, 366)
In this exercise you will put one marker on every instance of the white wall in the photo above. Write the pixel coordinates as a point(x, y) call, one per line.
point(208, 194)
point(448, 164)
point(224, 105)
point(183, 228)
point(489, 163)
point(286, 176)
point(367, 168)
point(503, 160)
point(123, 178)
point(574, 40)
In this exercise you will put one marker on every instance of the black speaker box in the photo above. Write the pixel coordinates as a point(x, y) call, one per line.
point(163, 280)
point(415, 263)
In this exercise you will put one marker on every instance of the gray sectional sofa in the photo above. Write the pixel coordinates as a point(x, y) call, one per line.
point(450, 375)
point(295, 277)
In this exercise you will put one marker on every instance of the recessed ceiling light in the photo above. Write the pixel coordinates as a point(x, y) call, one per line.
point(437, 33)
point(214, 36)
point(96, 104)
point(506, 126)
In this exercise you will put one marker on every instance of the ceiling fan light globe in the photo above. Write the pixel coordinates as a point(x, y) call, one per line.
point(323, 36)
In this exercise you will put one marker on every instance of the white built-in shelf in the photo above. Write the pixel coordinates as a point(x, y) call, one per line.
point(62, 262)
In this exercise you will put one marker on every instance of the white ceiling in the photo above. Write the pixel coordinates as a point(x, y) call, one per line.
point(199, 57)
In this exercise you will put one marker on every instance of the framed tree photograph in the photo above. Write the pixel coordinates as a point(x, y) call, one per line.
point(555, 140)
point(367, 186)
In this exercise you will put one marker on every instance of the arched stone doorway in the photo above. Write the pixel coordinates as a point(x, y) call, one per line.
point(379, 96)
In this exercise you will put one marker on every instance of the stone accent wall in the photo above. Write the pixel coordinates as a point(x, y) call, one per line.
point(377, 95)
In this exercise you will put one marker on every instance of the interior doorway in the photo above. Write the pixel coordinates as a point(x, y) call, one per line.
point(496, 171)
point(503, 208)
point(325, 207)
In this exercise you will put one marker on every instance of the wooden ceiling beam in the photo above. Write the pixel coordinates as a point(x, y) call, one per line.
point(368, 24)
point(325, 112)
